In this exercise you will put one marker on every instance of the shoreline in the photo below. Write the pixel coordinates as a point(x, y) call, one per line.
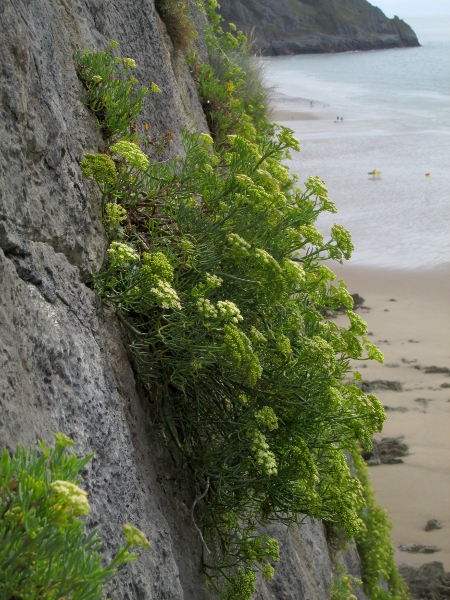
point(408, 317)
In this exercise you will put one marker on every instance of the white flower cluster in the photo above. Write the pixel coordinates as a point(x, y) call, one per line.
point(115, 214)
point(206, 139)
point(265, 459)
point(267, 258)
point(293, 272)
point(206, 308)
point(267, 418)
point(132, 153)
point(166, 296)
point(73, 496)
point(122, 254)
point(213, 280)
point(135, 537)
point(229, 311)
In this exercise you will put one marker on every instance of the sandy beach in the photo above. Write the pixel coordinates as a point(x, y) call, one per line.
point(408, 315)
point(407, 310)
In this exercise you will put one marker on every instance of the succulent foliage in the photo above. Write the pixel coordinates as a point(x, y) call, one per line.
point(45, 549)
point(217, 271)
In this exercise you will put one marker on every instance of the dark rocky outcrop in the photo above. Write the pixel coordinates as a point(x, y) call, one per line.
point(418, 549)
point(434, 369)
point(64, 364)
point(388, 451)
point(317, 26)
point(428, 582)
point(433, 524)
point(381, 384)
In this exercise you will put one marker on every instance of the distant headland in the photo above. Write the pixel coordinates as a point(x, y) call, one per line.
point(317, 26)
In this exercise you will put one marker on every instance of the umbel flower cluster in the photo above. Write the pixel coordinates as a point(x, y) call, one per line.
point(45, 550)
point(219, 277)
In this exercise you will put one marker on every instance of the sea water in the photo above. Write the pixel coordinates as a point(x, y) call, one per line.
point(395, 109)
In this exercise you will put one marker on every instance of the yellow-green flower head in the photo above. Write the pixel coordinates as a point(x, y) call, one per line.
point(379, 414)
point(213, 281)
point(206, 308)
point(267, 259)
point(283, 346)
point(301, 460)
point(343, 295)
point(135, 537)
point(257, 336)
point(187, 245)
point(268, 572)
point(238, 349)
point(242, 585)
point(213, 4)
point(158, 265)
point(196, 365)
point(311, 235)
point(318, 353)
point(166, 296)
point(272, 548)
point(323, 274)
point(122, 254)
point(335, 398)
point(253, 550)
point(115, 214)
point(154, 89)
point(238, 246)
point(373, 352)
point(343, 240)
point(97, 78)
point(62, 440)
point(264, 457)
point(267, 418)
point(353, 346)
point(295, 320)
point(286, 136)
point(245, 182)
point(101, 167)
point(357, 325)
point(131, 153)
point(73, 497)
point(129, 62)
point(114, 44)
point(206, 139)
point(228, 311)
point(317, 187)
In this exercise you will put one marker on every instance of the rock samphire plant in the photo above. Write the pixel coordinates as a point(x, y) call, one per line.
point(45, 549)
point(216, 269)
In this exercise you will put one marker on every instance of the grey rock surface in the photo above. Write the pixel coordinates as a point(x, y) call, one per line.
point(315, 26)
point(381, 384)
point(64, 364)
point(63, 360)
point(428, 582)
point(433, 524)
point(307, 564)
point(387, 451)
point(419, 549)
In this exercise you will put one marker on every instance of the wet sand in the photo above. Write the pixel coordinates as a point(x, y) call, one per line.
point(408, 316)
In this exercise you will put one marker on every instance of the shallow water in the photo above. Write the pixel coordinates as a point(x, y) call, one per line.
point(395, 106)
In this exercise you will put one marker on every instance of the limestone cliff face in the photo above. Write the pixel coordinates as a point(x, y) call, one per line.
point(64, 364)
point(314, 26)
